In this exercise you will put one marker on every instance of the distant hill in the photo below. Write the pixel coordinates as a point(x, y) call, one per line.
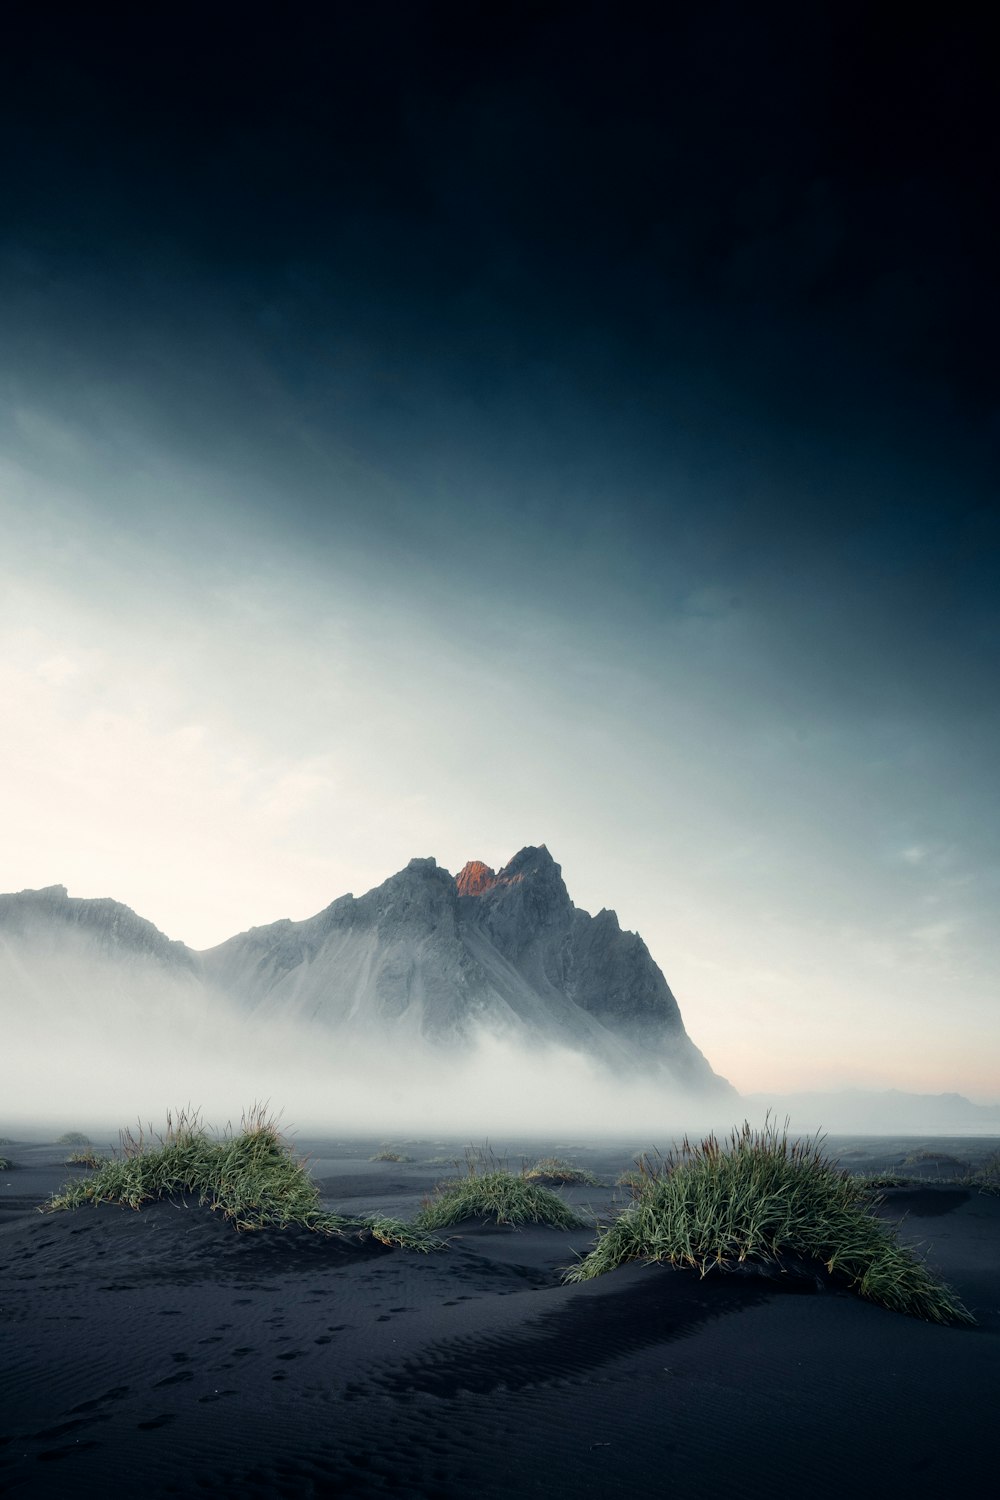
point(889, 1112)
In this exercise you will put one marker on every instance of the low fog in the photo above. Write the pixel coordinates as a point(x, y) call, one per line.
point(95, 1045)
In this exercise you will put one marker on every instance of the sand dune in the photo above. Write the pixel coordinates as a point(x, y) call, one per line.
point(160, 1353)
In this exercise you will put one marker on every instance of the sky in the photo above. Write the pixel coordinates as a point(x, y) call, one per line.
point(433, 430)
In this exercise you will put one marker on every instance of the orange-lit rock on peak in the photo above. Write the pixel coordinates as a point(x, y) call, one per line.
point(474, 878)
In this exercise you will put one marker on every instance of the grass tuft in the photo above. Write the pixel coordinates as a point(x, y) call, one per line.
point(87, 1158)
point(490, 1191)
point(6, 1165)
point(632, 1180)
point(940, 1162)
point(251, 1178)
point(73, 1138)
point(875, 1182)
point(759, 1197)
point(386, 1153)
point(986, 1177)
point(552, 1171)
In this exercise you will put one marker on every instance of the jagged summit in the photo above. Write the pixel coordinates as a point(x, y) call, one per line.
point(474, 878)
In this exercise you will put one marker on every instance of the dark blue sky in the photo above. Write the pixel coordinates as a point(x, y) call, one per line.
point(790, 211)
point(716, 280)
point(649, 361)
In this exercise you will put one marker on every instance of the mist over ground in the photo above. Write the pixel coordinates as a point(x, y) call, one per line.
point(101, 1045)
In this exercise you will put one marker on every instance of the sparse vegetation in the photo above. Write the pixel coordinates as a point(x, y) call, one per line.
point(388, 1154)
point(552, 1171)
point(73, 1138)
point(85, 1159)
point(874, 1182)
point(950, 1171)
point(940, 1160)
point(986, 1177)
point(6, 1165)
point(632, 1180)
point(759, 1197)
point(253, 1179)
point(490, 1191)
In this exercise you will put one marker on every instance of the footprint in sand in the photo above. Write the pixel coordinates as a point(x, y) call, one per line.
point(115, 1394)
point(154, 1422)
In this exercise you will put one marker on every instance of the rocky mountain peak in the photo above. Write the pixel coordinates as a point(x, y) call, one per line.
point(532, 860)
point(422, 893)
point(474, 878)
point(533, 864)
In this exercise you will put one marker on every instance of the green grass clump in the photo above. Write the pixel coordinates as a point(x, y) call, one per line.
point(874, 1182)
point(632, 1180)
point(6, 1165)
point(759, 1197)
point(986, 1177)
point(252, 1179)
point(941, 1161)
point(73, 1138)
point(388, 1154)
point(552, 1171)
point(490, 1191)
point(85, 1159)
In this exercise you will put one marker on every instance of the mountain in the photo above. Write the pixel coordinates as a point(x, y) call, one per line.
point(424, 959)
point(428, 955)
point(40, 918)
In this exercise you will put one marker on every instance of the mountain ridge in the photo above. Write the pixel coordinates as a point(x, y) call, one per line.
point(880, 1111)
point(109, 921)
point(432, 957)
point(439, 958)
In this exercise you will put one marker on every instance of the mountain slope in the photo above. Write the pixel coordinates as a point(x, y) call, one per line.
point(45, 917)
point(426, 955)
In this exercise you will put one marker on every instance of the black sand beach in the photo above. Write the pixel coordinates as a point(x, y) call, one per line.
point(161, 1353)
